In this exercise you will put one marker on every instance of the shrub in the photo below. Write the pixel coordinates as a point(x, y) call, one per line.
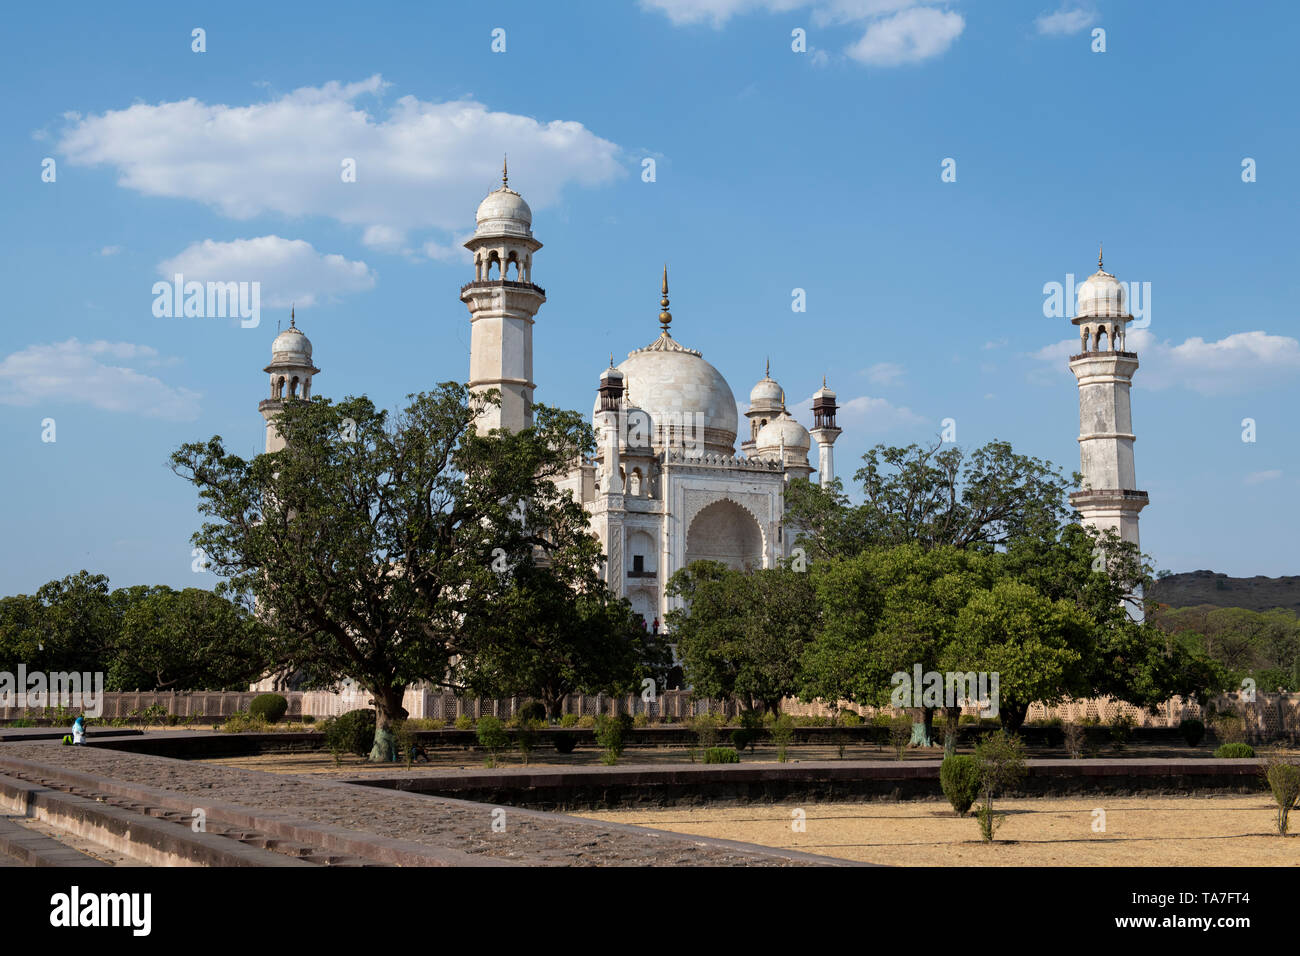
point(425, 723)
point(1230, 728)
point(464, 722)
point(1000, 758)
point(154, 714)
point(586, 720)
point(533, 710)
point(564, 743)
point(568, 720)
point(959, 775)
point(1284, 780)
point(611, 735)
point(1235, 750)
point(1121, 730)
point(1075, 737)
point(900, 734)
point(721, 755)
point(1193, 731)
point(492, 737)
point(526, 736)
point(641, 720)
point(850, 718)
point(706, 731)
point(751, 728)
point(782, 734)
point(353, 732)
point(270, 707)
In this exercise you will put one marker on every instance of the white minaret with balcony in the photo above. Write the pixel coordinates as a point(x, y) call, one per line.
point(291, 371)
point(1109, 497)
point(824, 433)
point(502, 303)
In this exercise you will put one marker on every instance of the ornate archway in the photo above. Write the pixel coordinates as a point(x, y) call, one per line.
point(724, 531)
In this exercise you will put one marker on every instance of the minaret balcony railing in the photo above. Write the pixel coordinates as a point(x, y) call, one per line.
point(501, 283)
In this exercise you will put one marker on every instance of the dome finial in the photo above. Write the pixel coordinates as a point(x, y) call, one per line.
point(665, 317)
point(1099, 266)
point(823, 381)
point(505, 170)
point(291, 319)
point(611, 359)
point(767, 367)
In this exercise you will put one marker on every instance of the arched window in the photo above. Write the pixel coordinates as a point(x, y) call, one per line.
point(278, 390)
point(293, 387)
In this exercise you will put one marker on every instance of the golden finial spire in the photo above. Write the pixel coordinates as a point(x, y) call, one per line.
point(823, 381)
point(505, 171)
point(1099, 266)
point(665, 317)
point(611, 359)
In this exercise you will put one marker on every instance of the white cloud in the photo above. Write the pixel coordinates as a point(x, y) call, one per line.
point(1259, 477)
point(885, 373)
point(1236, 363)
point(110, 250)
point(418, 163)
point(96, 374)
point(897, 31)
point(289, 270)
point(1065, 21)
point(909, 36)
point(865, 415)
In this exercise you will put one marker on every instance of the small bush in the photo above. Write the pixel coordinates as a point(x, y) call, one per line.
point(564, 743)
point(270, 707)
point(850, 718)
point(568, 720)
point(1284, 780)
point(1075, 737)
point(1235, 750)
point(526, 737)
point(1121, 731)
point(706, 729)
point(425, 723)
point(1230, 728)
point(464, 722)
point(721, 755)
point(959, 775)
point(353, 732)
point(1000, 758)
point(587, 720)
point(1192, 730)
point(492, 737)
point(782, 734)
point(243, 723)
point(641, 720)
point(611, 735)
point(900, 734)
point(751, 728)
point(533, 710)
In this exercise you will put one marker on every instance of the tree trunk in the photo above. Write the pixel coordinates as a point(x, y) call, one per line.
point(388, 710)
point(554, 706)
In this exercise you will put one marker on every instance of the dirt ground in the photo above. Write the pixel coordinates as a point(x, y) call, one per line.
point(1139, 831)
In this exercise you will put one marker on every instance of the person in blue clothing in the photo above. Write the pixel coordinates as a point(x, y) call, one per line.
point(79, 730)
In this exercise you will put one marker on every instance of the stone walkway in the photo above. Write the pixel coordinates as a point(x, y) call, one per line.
point(530, 837)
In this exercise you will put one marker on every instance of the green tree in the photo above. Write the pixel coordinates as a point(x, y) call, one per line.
point(191, 639)
point(369, 543)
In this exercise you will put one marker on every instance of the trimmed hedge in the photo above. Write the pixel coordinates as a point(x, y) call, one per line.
point(959, 775)
point(353, 732)
point(270, 707)
point(1193, 731)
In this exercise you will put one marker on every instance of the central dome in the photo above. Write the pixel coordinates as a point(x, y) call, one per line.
point(688, 401)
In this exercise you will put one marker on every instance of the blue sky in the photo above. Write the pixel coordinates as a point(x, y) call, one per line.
point(774, 170)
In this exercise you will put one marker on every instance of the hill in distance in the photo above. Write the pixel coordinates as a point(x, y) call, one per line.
point(1192, 588)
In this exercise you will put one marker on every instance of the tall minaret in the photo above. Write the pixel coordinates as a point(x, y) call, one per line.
point(1109, 497)
point(502, 304)
point(291, 371)
point(824, 433)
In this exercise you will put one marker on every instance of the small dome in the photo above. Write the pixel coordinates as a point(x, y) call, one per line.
point(504, 212)
point(611, 374)
point(783, 430)
point(766, 391)
point(823, 393)
point(1101, 296)
point(291, 346)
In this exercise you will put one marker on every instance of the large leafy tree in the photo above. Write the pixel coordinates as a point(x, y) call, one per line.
point(883, 612)
point(191, 639)
point(370, 542)
point(741, 634)
point(932, 496)
point(550, 635)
